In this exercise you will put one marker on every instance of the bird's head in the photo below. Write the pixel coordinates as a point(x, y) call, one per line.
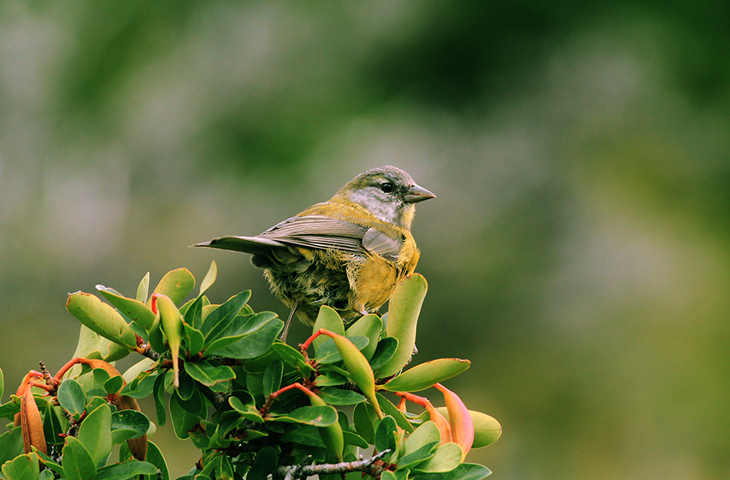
point(388, 192)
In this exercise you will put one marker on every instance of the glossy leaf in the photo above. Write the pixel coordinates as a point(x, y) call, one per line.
point(338, 396)
point(154, 456)
point(265, 464)
point(404, 308)
point(364, 417)
point(386, 435)
point(328, 319)
point(248, 411)
point(352, 438)
point(72, 398)
point(217, 321)
point(427, 375)
point(132, 308)
point(176, 285)
point(359, 369)
point(272, 377)
point(171, 322)
point(367, 326)
point(78, 464)
point(53, 428)
point(209, 373)
point(465, 471)
point(193, 341)
point(209, 278)
point(383, 353)
point(425, 434)
point(392, 410)
point(447, 457)
point(159, 397)
point(246, 337)
point(417, 456)
point(95, 433)
point(487, 429)
point(24, 467)
point(182, 420)
point(126, 470)
point(128, 424)
point(101, 318)
point(143, 289)
point(11, 444)
point(329, 353)
point(292, 356)
point(319, 416)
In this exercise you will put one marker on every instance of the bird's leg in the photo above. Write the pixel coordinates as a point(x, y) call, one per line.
point(288, 322)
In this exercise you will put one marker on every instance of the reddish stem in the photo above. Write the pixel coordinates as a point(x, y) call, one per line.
point(269, 401)
point(47, 388)
point(67, 367)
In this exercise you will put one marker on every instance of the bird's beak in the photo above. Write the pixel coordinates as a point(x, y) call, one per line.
point(417, 194)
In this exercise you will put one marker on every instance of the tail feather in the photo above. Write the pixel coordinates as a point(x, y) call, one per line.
point(254, 245)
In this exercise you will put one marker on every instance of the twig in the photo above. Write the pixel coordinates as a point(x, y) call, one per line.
point(302, 471)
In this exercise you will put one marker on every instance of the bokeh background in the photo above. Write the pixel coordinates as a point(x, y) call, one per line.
point(577, 252)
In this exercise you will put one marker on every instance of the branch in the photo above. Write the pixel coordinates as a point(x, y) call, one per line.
point(302, 471)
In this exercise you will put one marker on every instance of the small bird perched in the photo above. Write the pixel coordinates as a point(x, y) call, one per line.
point(348, 252)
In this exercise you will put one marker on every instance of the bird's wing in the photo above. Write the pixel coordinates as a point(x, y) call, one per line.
point(313, 231)
point(318, 232)
point(255, 245)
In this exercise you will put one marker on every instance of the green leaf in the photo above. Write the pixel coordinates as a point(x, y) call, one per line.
point(247, 410)
point(78, 463)
point(209, 278)
point(403, 310)
point(272, 377)
point(319, 416)
point(72, 398)
point(425, 434)
point(247, 337)
point(176, 284)
point(338, 396)
point(132, 308)
point(328, 352)
point(364, 417)
point(11, 444)
point(367, 326)
point(383, 353)
point(393, 411)
point(352, 438)
point(386, 434)
point(159, 397)
point(193, 340)
point(95, 433)
point(265, 464)
point(446, 458)
point(209, 373)
point(46, 474)
point(305, 435)
point(154, 456)
point(2, 383)
point(182, 420)
point(114, 384)
point(24, 467)
point(292, 356)
point(51, 464)
point(134, 372)
point(487, 429)
point(101, 318)
point(128, 424)
point(427, 375)
point(52, 426)
point(330, 379)
point(143, 288)
point(216, 322)
point(194, 313)
point(420, 455)
point(328, 319)
point(465, 471)
point(9, 409)
point(126, 470)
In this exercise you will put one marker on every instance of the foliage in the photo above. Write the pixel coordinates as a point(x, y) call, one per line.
point(256, 407)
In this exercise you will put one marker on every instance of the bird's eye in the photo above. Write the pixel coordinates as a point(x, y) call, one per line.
point(387, 187)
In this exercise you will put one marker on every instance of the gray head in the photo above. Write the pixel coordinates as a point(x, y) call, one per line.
point(387, 192)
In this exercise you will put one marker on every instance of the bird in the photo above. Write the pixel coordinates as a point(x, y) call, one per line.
point(348, 253)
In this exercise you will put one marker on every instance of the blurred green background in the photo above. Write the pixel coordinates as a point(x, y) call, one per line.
point(577, 252)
